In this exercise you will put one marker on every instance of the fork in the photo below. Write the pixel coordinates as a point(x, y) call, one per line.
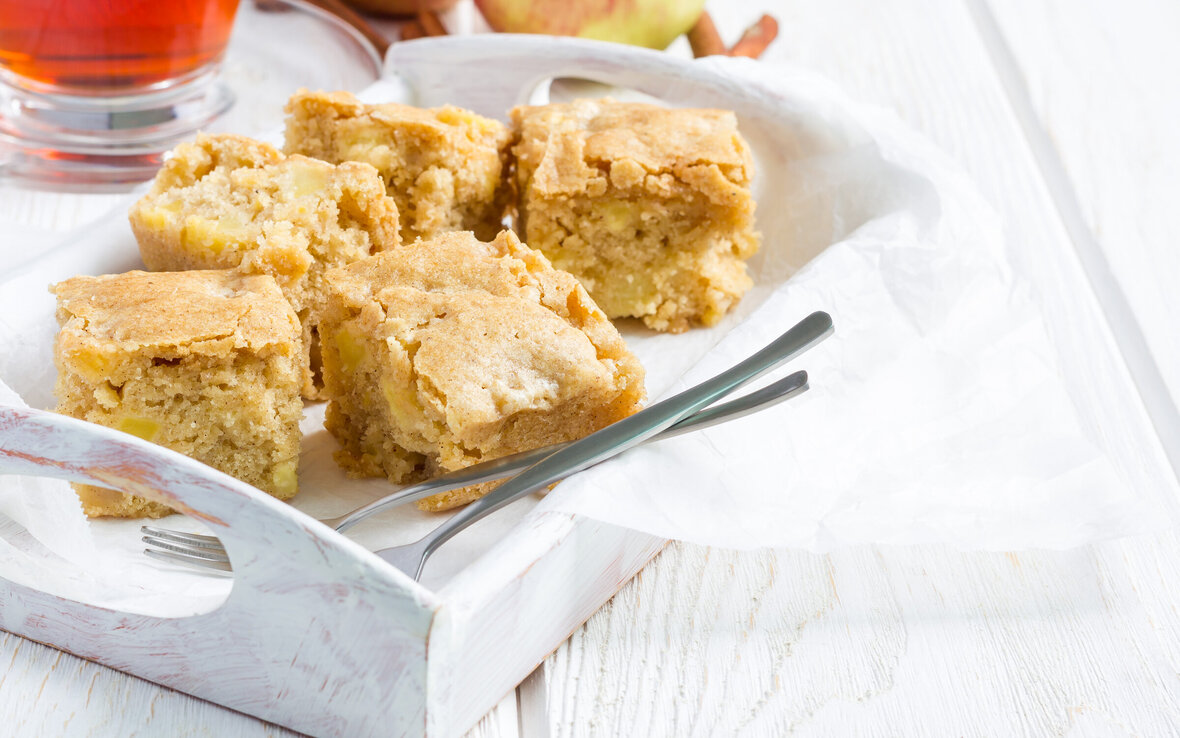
point(676, 415)
point(170, 543)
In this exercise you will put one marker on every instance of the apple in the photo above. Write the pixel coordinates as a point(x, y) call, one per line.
point(650, 23)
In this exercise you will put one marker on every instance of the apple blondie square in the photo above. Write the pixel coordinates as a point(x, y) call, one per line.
point(450, 351)
point(226, 202)
point(445, 167)
point(205, 363)
point(649, 207)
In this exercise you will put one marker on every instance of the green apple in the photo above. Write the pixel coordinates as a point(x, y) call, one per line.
point(650, 23)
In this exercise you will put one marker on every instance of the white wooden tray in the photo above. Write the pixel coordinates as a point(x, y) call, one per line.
point(317, 633)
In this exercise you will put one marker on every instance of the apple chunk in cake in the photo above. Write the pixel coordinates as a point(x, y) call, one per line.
point(226, 202)
point(649, 207)
point(205, 363)
point(445, 166)
point(446, 352)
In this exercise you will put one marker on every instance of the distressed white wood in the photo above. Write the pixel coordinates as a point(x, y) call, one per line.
point(532, 705)
point(925, 640)
point(502, 721)
point(523, 601)
point(271, 649)
point(47, 692)
point(317, 633)
point(50, 212)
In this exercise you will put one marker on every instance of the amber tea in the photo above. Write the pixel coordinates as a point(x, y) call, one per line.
point(106, 46)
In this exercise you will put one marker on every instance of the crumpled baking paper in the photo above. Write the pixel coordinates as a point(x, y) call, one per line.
point(940, 410)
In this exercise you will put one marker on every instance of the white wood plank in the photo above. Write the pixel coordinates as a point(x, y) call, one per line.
point(923, 642)
point(45, 692)
point(501, 722)
point(532, 699)
point(1102, 79)
point(52, 212)
point(519, 601)
point(1127, 275)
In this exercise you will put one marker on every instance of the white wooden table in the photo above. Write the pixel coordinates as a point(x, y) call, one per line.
point(1065, 114)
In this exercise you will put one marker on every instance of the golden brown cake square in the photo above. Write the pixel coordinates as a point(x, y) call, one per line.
point(205, 363)
point(443, 353)
point(225, 202)
point(445, 166)
point(649, 207)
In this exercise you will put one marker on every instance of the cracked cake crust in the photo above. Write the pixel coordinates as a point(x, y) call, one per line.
point(203, 362)
point(649, 207)
point(445, 167)
point(447, 352)
point(230, 202)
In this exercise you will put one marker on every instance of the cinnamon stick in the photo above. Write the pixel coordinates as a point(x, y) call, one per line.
point(704, 38)
point(756, 38)
point(412, 29)
point(431, 24)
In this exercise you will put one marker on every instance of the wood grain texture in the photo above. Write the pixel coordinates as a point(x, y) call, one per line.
point(52, 212)
point(46, 692)
point(518, 600)
point(874, 642)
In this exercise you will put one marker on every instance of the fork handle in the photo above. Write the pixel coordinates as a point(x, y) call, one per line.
point(505, 466)
point(632, 431)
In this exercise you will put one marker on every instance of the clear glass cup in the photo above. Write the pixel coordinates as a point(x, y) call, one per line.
point(92, 85)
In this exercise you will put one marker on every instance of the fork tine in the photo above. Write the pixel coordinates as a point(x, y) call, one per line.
point(183, 549)
point(206, 566)
point(176, 536)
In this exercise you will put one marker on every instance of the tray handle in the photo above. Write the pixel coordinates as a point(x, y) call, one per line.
point(265, 536)
point(308, 608)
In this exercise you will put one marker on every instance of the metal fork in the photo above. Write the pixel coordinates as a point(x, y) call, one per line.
point(208, 552)
point(680, 414)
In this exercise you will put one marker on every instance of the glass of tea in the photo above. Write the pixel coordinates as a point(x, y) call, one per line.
point(94, 90)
